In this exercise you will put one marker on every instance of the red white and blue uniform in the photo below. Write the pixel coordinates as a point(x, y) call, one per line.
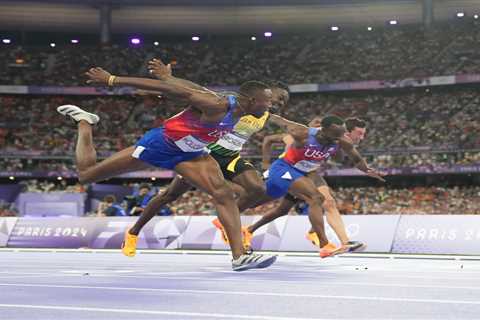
point(183, 137)
point(297, 163)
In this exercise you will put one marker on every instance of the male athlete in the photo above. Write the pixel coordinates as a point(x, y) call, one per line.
point(226, 151)
point(291, 173)
point(179, 145)
point(356, 130)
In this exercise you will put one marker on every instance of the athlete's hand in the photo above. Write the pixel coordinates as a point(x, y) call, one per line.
point(375, 174)
point(158, 69)
point(97, 76)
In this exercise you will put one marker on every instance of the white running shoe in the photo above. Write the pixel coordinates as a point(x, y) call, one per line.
point(252, 261)
point(78, 114)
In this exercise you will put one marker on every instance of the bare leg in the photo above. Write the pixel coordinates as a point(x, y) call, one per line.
point(305, 189)
point(281, 210)
point(86, 158)
point(252, 184)
point(176, 188)
point(204, 173)
point(334, 218)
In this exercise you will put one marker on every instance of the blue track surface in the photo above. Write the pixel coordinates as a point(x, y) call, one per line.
point(48, 285)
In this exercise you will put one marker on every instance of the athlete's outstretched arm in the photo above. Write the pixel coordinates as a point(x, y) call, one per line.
point(164, 72)
point(297, 130)
point(267, 143)
point(359, 162)
point(201, 99)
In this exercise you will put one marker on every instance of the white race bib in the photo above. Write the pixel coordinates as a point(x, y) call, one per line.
point(307, 166)
point(231, 141)
point(190, 144)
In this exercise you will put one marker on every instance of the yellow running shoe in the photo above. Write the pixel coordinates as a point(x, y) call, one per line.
point(330, 250)
point(129, 245)
point(313, 238)
point(247, 239)
point(219, 226)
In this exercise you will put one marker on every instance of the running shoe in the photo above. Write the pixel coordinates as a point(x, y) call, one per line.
point(246, 235)
point(78, 114)
point(313, 238)
point(252, 261)
point(330, 250)
point(247, 239)
point(355, 246)
point(129, 245)
point(216, 222)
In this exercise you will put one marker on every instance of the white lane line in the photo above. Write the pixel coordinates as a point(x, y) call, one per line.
point(246, 293)
point(153, 312)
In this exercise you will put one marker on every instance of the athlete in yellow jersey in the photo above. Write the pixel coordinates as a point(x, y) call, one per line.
point(247, 182)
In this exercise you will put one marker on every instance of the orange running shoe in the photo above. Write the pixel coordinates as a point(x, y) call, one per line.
point(246, 235)
point(313, 238)
point(129, 245)
point(330, 250)
point(216, 222)
point(247, 239)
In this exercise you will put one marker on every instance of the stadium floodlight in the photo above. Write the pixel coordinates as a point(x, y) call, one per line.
point(393, 22)
point(156, 43)
point(52, 44)
point(74, 41)
point(369, 28)
point(267, 34)
point(6, 41)
point(334, 28)
point(195, 38)
point(460, 14)
point(135, 41)
point(253, 38)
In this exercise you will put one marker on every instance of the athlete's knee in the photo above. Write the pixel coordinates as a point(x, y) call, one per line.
point(329, 203)
point(315, 199)
point(221, 191)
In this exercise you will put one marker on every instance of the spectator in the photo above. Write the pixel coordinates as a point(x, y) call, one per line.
point(109, 207)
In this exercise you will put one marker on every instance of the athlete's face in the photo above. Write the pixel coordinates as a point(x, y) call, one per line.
point(357, 135)
point(280, 99)
point(334, 132)
point(261, 102)
point(315, 123)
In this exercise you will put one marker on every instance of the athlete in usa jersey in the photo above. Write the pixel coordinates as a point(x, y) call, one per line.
point(178, 145)
point(310, 147)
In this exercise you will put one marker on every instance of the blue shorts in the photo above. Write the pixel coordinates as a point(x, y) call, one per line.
point(280, 176)
point(155, 149)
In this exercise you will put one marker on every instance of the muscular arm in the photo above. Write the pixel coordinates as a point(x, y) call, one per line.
point(268, 141)
point(359, 162)
point(208, 101)
point(297, 130)
point(349, 149)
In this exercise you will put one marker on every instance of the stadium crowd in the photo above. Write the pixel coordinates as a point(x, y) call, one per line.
point(394, 52)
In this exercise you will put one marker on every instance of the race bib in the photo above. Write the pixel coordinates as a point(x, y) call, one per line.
point(231, 141)
point(307, 166)
point(190, 144)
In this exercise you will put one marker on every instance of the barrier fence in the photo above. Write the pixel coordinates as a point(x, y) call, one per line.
point(415, 234)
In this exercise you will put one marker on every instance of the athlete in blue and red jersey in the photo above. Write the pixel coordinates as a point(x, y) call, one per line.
point(290, 173)
point(178, 145)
